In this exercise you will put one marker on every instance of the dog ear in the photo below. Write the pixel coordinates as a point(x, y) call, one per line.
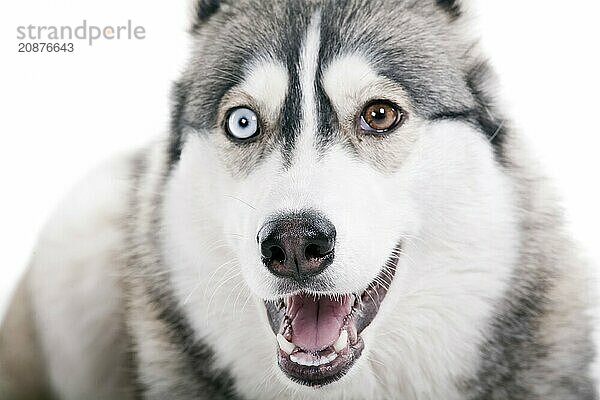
point(203, 10)
point(456, 8)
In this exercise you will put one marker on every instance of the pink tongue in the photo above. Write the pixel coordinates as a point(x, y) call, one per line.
point(316, 324)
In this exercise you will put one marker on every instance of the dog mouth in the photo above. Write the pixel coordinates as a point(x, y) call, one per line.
point(319, 336)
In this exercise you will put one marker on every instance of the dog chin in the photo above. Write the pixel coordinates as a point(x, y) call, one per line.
point(319, 335)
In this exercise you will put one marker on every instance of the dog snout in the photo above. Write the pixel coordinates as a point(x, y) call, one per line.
point(297, 245)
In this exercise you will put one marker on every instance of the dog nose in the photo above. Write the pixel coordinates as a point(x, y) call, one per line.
point(297, 245)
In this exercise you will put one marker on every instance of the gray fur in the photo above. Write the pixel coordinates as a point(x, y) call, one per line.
point(447, 80)
point(22, 371)
point(186, 366)
point(538, 344)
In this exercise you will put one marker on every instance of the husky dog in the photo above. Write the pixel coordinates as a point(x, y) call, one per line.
point(341, 210)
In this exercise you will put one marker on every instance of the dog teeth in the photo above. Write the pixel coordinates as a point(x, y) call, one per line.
point(312, 361)
point(342, 341)
point(332, 357)
point(284, 345)
point(295, 359)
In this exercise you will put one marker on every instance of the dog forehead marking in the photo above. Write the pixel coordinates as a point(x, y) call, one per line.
point(308, 67)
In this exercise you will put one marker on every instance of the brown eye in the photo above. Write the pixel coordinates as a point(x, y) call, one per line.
point(381, 116)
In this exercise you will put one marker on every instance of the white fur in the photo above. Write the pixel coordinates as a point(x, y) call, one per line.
point(347, 78)
point(452, 206)
point(304, 151)
point(448, 278)
point(448, 203)
point(74, 275)
point(595, 368)
point(266, 81)
point(351, 82)
point(458, 251)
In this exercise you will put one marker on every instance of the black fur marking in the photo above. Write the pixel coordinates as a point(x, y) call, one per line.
point(483, 115)
point(289, 51)
point(199, 357)
point(179, 96)
point(328, 121)
point(196, 356)
point(487, 117)
point(451, 7)
point(513, 340)
point(289, 122)
point(490, 126)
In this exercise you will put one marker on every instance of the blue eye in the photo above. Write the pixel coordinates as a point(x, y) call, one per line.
point(242, 123)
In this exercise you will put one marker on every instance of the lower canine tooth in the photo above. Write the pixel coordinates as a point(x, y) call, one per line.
point(342, 341)
point(284, 345)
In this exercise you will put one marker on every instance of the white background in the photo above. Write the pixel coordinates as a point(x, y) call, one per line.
point(61, 114)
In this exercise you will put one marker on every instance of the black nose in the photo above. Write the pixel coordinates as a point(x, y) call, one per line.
point(297, 245)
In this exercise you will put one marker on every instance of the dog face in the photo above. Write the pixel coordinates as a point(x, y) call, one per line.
point(336, 163)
